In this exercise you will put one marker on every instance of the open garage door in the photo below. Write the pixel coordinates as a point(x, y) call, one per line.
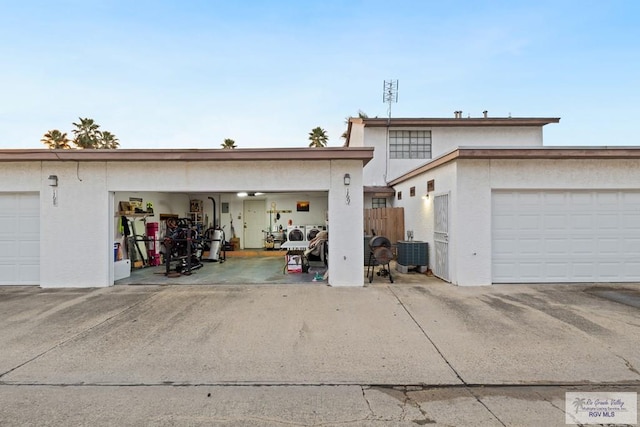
point(19, 239)
point(565, 236)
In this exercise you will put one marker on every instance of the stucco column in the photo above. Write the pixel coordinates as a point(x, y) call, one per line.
point(346, 224)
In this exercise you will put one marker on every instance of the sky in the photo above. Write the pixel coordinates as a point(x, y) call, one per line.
point(190, 73)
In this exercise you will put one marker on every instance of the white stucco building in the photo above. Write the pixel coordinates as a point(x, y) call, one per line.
point(492, 202)
point(496, 206)
point(59, 208)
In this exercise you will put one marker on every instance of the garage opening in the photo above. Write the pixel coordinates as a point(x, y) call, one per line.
point(239, 238)
point(564, 236)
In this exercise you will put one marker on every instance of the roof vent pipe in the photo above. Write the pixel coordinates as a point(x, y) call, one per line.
point(485, 113)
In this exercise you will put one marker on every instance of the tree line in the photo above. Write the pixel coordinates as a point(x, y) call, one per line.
point(87, 135)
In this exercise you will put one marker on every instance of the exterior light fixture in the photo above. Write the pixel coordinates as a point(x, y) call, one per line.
point(347, 179)
point(242, 194)
point(53, 180)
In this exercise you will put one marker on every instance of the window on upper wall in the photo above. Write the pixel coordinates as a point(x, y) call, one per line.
point(410, 144)
point(378, 202)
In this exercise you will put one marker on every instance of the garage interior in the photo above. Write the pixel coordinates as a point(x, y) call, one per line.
point(238, 238)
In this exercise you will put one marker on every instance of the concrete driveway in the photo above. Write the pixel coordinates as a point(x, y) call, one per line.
point(310, 354)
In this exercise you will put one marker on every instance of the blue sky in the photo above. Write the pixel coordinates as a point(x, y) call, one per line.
point(188, 74)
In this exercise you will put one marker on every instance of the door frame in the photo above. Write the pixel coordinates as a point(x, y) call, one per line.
point(262, 207)
point(441, 234)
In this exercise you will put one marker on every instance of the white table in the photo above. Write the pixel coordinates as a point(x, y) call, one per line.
point(295, 245)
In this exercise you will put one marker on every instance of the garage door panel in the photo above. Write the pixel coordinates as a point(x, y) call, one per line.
point(631, 221)
point(531, 269)
point(582, 222)
point(609, 270)
point(528, 222)
point(29, 224)
point(556, 222)
point(584, 271)
point(608, 247)
point(607, 221)
point(530, 200)
point(7, 249)
point(632, 269)
point(503, 222)
point(608, 201)
point(529, 247)
point(28, 250)
point(569, 236)
point(504, 247)
point(557, 246)
point(554, 270)
point(20, 239)
point(29, 274)
point(582, 247)
point(632, 247)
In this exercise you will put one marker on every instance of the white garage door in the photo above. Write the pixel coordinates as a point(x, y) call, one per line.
point(565, 236)
point(19, 239)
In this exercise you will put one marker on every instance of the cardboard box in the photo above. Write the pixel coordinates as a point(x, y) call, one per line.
point(294, 263)
point(235, 242)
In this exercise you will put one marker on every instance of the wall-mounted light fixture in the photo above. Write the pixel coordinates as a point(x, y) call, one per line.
point(53, 180)
point(347, 179)
point(426, 196)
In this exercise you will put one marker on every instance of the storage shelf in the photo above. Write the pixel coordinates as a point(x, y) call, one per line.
point(134, 215)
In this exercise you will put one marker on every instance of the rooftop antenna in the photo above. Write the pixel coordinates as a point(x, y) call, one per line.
point(390, 94)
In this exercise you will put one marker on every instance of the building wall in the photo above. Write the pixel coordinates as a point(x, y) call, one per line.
point(77, 233)
point(346, 224)
point(446, 139)
point(443, 140)
point(419, 214)
point(477, 179)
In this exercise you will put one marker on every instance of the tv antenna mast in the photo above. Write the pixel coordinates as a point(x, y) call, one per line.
point(390, 94)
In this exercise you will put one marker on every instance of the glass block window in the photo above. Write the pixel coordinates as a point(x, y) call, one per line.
point(378, 202)
point(410, 144)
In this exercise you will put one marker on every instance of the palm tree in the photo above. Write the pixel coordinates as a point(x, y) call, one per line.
point(54, 139)
point(108, 141)
point(318, 137)
point(228, 144)
point(86, 134)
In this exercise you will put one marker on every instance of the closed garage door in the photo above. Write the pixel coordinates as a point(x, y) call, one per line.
point(19, 239)
point(565, 236)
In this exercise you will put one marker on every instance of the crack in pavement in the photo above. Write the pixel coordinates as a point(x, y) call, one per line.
point(629, 365)
point(457, 374)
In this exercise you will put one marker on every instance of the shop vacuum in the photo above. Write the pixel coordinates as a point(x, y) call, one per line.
point(215, 237)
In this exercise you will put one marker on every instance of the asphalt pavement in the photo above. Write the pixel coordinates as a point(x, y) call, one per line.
point(425, 353)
